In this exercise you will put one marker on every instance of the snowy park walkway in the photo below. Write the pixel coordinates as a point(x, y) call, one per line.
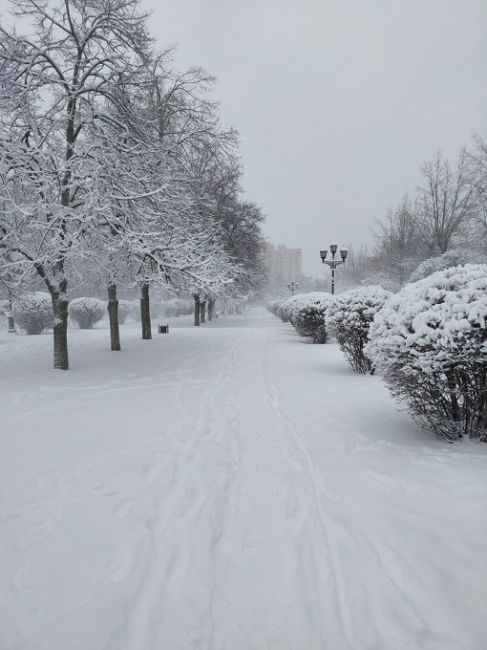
point(229, 488)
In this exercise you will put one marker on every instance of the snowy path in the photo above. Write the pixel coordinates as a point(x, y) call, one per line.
point(229, 488)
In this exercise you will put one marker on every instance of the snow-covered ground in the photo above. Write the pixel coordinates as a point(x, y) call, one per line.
point(229, 488)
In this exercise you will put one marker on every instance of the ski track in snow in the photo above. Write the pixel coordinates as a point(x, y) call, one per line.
point(336, 585)
point(230, 488)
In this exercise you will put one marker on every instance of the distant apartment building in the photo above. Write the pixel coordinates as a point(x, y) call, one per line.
point(284, 264)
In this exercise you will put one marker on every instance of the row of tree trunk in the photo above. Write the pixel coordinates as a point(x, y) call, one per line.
point(203, 310)
point(113, 315)
point(200, 309)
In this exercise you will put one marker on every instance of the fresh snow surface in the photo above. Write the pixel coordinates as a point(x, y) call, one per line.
point(229, 487)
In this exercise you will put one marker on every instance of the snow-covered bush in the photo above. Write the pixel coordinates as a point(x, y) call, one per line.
point(170, 308)
point(289, 308)
point(310, 321)
point(349, 318)
point(177, 307)
point(307, 312)
point(123, 310)
point(392, 286)
point(283, 312)
point(434, 264)
point(86, 311)
point(134, 310)
point(273, 306)
point(33, 313)
point(430, 342)
point(157, 307)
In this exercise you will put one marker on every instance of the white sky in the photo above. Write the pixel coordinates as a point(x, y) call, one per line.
point(338, 102)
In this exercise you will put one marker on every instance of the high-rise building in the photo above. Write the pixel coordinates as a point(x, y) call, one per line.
point(284, 264)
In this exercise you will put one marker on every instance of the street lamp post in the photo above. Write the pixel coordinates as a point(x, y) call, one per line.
point(292, 286)
point(333, 263)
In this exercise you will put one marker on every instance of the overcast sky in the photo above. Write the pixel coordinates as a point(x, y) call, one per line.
point(338, 102)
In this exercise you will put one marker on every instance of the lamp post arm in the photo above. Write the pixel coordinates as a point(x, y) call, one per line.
point(333, 263)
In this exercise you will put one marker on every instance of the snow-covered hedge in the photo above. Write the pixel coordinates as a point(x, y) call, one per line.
point(134, 311)
point(349, 318)
point(273, 306)
point(307, 313)
point(289, 308)
point(430, 342)
point(170, 308)
point(33, 313)
point(123, 310)
point(434, 264)
point(86, 311)
point(283, 312)
point(175, 307)
point(310, 321)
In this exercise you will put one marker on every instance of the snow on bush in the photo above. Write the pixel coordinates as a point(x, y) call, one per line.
point(434, 264)
point(156, 307)
point(177, 307)
point(123, 310)
point(86, 311)
point(282, 312)
point(134, 311)
point(430, 342)
point(289, 308)
point(349, 318)
point(33, 313)
point(310, 321)
point(273, 306)
point(307, 314)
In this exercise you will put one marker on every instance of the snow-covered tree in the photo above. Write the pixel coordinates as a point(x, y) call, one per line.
point(447, 199)
point(401, 242)
point(60, 88)
point(429, 341)
point(349, 318)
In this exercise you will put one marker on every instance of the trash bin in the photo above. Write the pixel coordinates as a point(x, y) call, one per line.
point(163, 329)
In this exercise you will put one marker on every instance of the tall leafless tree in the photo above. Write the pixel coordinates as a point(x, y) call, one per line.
point(58, 84)
point(446, 198)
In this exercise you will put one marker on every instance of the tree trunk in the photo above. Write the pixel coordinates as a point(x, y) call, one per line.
point(196, 309)
point(211, 304)
point(10, 318)
point(113, 316)
point(60, 330)
point(145, 312)
point(203, 311)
